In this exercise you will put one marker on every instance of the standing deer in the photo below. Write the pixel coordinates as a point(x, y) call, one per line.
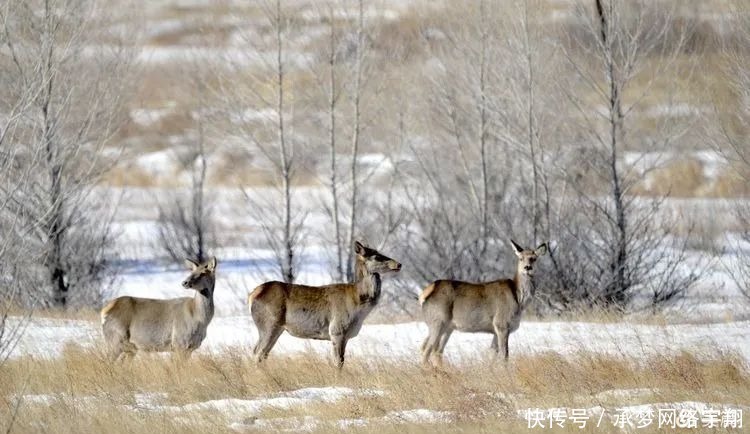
point(332, 312)
point(131, 324)
point(489, 307)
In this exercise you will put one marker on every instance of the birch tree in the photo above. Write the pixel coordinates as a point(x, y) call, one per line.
point(458, 203)
point(267, 88)
point(68, 124)
point(616, 247)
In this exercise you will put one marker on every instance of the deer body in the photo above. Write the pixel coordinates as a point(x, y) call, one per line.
point(492, 307)
point(132, 324)
point(332, 312)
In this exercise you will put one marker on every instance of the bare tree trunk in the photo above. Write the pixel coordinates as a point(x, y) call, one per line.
point(199, 186)
point(484, 212)
point(55, 226)
point(285, 159)
point(531, 126)
point(616, 294)
point(355, 140)
point(332, 102)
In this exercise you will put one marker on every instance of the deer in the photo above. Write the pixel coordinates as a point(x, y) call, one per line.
point(332, 312)
point(488, 307)
point(131, 324)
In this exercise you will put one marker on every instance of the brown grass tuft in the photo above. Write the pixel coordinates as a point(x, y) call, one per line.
point(482, 395)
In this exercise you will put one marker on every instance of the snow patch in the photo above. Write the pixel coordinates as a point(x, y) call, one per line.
point(285, 400)
point(148, 117)
point(414, 416)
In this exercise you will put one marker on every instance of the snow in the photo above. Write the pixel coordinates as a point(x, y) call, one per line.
point(48, 337)
point(620, 394)
point(239, 57)
point(612, 413)
point(158, 162)
point(414, 416)
point(309, 423)
point(232, 406)
point(674, 110)
point(283, 424)
point(252, 115)
point(148, 117)
point(711, 161)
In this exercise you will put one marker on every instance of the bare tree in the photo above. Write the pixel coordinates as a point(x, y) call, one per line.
point(529, 109)
point(346, 83)
point(186, 227)
point(729, 138)
point(15, 255)
point(615, 244)
point(356, 137)
point(333, 97)
point(458, 199)
point(46, 44)
point(279, 215)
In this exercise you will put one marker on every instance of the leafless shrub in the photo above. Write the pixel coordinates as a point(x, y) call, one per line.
point(186, 218)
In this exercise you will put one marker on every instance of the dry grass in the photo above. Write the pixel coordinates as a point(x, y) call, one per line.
point(680, 178)
point(482, 396)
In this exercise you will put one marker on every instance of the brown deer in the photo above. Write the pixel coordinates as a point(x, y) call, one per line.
point(131, 324)
point(332, 312)
point(489, 307)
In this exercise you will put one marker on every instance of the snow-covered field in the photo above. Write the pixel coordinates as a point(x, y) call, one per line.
point(298, 409)
point(48, 337)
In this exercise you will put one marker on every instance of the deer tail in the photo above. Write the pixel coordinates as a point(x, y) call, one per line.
point(426, 293)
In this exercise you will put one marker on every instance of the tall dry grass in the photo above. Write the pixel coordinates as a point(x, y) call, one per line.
point(480, 395)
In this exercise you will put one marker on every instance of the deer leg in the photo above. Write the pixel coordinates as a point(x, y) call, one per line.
point(493, 345)
point(181, 355)
point(126, 351)
point(338, 340)
point(502, 332)
point(116, 340)
point(126, 355)
point(443, 342)
point(426, 341)
point(266, 341)
point(505, 344)
point(426, 347)
point(436, 331)
point(114, 353)
point(339, 349)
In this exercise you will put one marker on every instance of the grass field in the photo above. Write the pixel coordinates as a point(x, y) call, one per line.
point(81, 392)
point(382, 388)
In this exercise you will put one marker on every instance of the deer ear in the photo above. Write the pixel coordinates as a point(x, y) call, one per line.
point(359, 248)
point(516, 248)
point(541, 250)
point(191, 265)
point(211, 264)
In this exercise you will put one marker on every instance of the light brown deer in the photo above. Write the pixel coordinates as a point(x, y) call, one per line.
point(489, 307)
point(332, 312)
point(131, 324)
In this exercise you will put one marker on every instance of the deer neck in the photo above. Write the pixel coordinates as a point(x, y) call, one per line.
point(524, 289)
point(203, 303)
point(367, 284)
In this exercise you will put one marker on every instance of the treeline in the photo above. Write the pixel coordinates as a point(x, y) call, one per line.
point(497, 120)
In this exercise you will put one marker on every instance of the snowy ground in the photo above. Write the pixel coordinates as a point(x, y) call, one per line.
point(48, 337)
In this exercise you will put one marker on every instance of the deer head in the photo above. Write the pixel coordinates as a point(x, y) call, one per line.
point(374, 261)
point(202, 276)
point(527, 258)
